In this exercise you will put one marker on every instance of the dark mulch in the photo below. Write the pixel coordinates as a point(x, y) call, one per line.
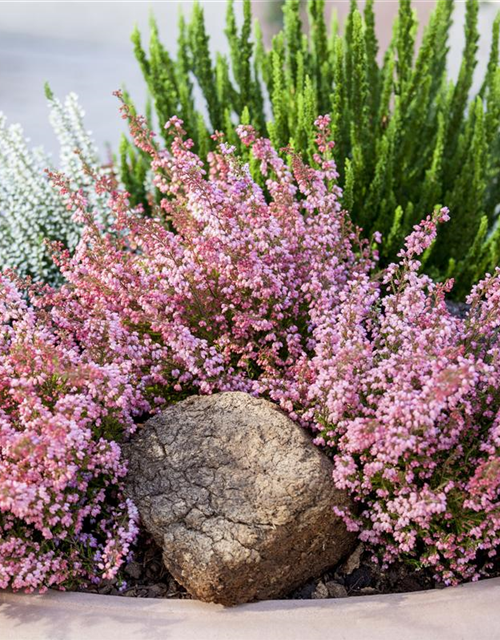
point(359, 576)
point(146, 577)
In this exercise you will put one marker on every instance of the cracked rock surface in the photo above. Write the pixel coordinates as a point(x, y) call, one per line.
point(238, 498)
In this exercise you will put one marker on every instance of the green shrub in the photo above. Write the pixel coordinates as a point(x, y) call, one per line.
point(407, 138)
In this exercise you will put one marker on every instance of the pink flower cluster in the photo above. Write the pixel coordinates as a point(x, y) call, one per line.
point(408, 399)
point(262, 287)
point(63, 514)
point(215, 292)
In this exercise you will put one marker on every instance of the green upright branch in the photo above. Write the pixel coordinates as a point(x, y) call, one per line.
point(406, 136)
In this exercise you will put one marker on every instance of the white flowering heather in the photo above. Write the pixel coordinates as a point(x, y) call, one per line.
point(31, 210)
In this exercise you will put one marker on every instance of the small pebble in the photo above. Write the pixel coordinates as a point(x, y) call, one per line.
point(353, 561)
point(134, 570)
point(106, 590)
point(320, 592)
point(336, 590)
point(157, 591)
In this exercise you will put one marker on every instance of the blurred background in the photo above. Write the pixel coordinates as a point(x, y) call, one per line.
point(84, 46)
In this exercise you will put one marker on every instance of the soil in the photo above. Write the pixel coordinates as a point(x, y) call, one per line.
point(146, 577)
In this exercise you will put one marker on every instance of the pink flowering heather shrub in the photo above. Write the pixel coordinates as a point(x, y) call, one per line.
point(267, 288)
point(408, 398)
point(63, 514)
point(216, 292)
point(229, 289)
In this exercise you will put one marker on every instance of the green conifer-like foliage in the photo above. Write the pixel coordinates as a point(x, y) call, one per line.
point(407, 137)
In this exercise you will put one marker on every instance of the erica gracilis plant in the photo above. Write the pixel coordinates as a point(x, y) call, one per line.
point(377, 101)
point(270, 290)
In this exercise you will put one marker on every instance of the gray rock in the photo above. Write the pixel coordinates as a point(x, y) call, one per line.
point(353, 561)
point(321, 592)
point(237, 496)
point(134, 570)
point(336, 590)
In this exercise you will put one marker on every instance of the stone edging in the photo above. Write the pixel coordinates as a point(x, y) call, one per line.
point(468, 612)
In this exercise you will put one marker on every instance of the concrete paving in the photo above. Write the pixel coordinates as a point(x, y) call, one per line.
point(468, 612)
